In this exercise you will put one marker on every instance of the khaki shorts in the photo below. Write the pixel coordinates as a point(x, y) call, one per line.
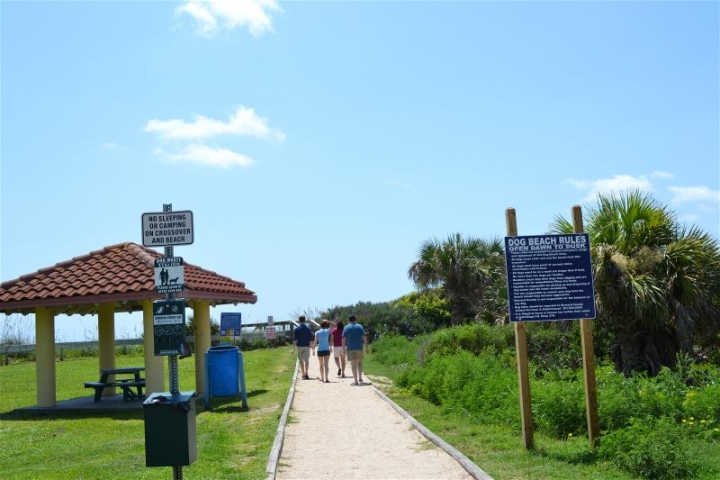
point(303, 354)
point(353, 355)
point(338, 352)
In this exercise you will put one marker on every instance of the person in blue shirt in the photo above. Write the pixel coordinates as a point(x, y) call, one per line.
point(322, 342)
point(301, 341)
point(354, 339)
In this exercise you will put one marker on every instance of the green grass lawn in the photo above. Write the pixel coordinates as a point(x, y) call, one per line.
point(231, 442)
point(235, 443)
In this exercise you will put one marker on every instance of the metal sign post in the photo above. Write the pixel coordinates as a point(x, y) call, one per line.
point(165, 229)
point(173, 359)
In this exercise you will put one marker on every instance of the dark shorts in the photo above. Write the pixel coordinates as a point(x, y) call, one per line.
point(323, 353)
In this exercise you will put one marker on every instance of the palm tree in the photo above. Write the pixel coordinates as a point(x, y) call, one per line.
point(657, 282)
point(465, 269)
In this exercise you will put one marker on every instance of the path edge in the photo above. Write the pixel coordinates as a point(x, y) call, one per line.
point(276, 450)
point(476, 472)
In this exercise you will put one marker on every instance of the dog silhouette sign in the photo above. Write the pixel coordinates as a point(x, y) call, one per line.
point(169, 275)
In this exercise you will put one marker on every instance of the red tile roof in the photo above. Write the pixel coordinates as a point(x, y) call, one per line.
point(123, 274)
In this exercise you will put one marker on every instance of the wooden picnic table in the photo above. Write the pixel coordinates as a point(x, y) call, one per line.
point(132, 384)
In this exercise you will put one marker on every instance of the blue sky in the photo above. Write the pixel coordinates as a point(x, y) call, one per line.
point(318, 144)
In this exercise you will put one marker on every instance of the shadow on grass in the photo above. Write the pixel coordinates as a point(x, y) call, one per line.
point(257, 392)
point(25, 415)
point(575, 455)
point(229, 404)
point(121, 410)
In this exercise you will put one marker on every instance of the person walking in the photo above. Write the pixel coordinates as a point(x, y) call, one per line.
point(354, 339)
point(322, 342)
point(338, 351)
point(301, 342)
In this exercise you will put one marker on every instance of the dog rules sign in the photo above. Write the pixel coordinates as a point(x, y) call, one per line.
point(169, 275)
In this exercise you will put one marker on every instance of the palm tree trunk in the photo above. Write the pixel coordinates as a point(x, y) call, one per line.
point(636, 351)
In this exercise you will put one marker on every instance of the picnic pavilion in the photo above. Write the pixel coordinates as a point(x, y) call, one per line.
point(118, 278)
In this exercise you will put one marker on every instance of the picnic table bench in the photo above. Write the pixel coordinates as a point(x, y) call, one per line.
point(132, 386)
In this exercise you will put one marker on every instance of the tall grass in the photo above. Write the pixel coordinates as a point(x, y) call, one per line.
point(16, 329)
point(472, 370)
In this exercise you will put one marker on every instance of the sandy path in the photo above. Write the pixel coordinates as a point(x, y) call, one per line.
point(340, 431)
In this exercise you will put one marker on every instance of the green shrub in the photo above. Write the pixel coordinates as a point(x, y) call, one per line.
point(480, 385)
point(130, 350)
point(559, 408)
point(473, 338)
point(701, 375)
point(618, 399)
point(621, 399)
point(701, 412)
point(396, 349)
point(650, 448)
point(554, 346)
point(412, 379)
point(703, 402)
point(245, 345)
point(662, 395)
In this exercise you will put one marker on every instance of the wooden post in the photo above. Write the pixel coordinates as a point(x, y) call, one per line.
point(588, 354)
point(521, 354)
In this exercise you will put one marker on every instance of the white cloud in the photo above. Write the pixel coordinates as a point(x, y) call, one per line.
point(662, 175)
point(243, 122)
point(212, 15)
point(693, 194)
point(614, 185)
point(109, 145)
point(204, 155)
point(207, 25)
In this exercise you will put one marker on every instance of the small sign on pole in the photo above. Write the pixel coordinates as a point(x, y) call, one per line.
point(169, 327)
point(169, 275)
point(270, 333)
point(231, 324)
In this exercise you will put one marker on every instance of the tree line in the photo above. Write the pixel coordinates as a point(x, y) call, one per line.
point(657, 286)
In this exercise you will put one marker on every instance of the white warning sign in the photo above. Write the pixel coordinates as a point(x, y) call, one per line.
point(165, 229)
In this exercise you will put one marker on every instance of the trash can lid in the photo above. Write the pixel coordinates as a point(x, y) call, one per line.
point(167, 398)
point(222, 348)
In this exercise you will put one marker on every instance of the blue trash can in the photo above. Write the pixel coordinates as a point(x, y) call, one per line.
point(222, 364)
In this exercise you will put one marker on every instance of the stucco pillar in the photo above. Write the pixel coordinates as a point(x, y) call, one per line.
point(154, 367)
point(201, 314)
point(106, 340)
point(45, 357)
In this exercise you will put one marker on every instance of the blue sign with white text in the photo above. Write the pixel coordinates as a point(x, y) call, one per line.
point(549, 277)
point(231, 321)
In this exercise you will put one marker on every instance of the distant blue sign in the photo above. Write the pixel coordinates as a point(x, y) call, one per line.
point(231, 321)
point(549, 277)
